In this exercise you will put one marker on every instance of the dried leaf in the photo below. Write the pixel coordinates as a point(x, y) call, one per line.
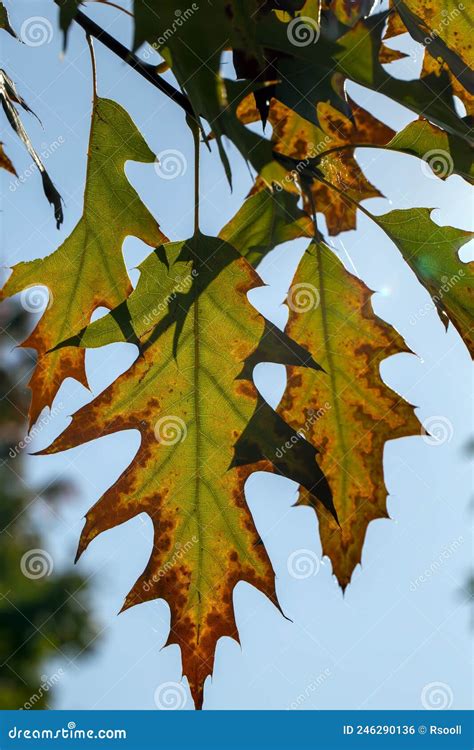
point(5, 161)
point(5, 22)
point(8, 95)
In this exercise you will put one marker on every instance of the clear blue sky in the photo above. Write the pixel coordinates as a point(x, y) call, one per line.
point(392, 634)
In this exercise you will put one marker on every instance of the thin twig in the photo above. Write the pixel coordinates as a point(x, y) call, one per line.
point(145, 70)
point(195, 130)
point(113, 5)
point(94, 68)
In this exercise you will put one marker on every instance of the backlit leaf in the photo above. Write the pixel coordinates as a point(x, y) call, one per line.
point(444, 154)
point(300, 139)
point(357, 58)
point(264, 221)
point(87, 271)
point(432, 252)
point(435, 67)
point(445, 28)
point(349, 12)
point(346, 411)
point(189, 397)
point(184, 40)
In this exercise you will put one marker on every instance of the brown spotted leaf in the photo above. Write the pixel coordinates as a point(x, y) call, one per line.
point(299, 139)
point(347, 411)
point(433, 63)
point(190, 399)
point(348, 12)
point(444, 27)
point(436, 67)
point(87, 271)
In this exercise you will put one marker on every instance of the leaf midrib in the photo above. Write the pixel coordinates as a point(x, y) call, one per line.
point(331, 367)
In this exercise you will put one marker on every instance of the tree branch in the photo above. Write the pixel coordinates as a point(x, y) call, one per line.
point(145, 70)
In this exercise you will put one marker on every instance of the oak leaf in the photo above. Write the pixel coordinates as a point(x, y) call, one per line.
point(201, 421)
point(346, 410)
point(87, 271)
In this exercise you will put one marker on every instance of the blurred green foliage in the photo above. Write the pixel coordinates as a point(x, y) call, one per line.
point(43, 620)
